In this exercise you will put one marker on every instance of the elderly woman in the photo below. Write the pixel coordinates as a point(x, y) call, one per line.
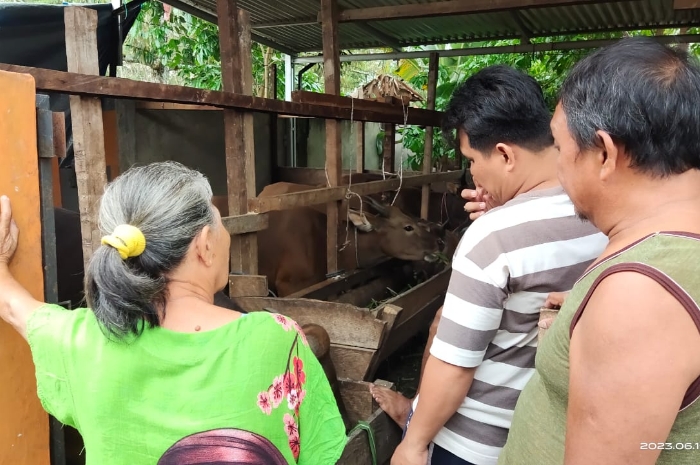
point(153, 372)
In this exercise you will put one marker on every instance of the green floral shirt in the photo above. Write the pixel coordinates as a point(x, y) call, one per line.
point(250, 391)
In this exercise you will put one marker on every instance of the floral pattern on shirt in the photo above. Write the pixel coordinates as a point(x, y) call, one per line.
point(288, 386)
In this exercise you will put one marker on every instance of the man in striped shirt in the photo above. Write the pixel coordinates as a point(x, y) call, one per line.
point(506, 264)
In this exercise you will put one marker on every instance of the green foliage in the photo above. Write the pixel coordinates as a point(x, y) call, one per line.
point(190, 47)
point(548, 68)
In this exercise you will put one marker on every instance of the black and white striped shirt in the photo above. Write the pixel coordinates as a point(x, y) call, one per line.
point(507, 262)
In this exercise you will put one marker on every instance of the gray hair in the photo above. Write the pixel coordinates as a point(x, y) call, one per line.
point(170, 204)
point(646, 96)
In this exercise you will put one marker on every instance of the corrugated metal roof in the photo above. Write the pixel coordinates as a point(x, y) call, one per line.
point(292, 26)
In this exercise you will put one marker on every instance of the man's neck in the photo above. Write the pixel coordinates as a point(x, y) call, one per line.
point(669, 204)
point(543, 174)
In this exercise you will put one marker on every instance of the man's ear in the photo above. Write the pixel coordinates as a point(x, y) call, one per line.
point(610, 155)
point(507, 154)
point(362, 221)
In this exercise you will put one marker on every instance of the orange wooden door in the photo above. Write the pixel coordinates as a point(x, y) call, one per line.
point(24, 425)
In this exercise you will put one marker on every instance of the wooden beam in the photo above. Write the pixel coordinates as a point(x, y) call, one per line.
point(172, 106)
point(448, 8)
point(88, 130)
point(246, 223)
point(119, 88)
point(247, 286)
point(236, 74)
point(686, 4)
point(358, 105)
point(346, 324)
point(334, 162)
point(330, 288)
point(433, 65)
point(330, 194)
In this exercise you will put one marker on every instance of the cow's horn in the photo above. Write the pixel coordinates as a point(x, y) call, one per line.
point(381, 209)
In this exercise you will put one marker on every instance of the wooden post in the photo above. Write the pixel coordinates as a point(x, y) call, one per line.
point(88, 130)
point(433, 65)
point(59, 151)
point(237, 76)
point(331, 73)
point(389, 155)
point(360, 140)
point(24, 429)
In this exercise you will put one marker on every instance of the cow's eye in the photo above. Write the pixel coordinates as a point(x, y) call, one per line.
point(408, 228)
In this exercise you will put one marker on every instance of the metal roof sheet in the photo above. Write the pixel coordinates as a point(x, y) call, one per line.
point(291, 25)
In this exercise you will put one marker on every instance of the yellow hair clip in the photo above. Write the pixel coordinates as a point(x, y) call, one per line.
point(128, 240)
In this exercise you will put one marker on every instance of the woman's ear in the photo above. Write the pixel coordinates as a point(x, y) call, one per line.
point(204, 246)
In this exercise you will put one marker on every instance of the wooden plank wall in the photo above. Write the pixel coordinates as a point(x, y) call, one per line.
point(88, 129)
point(24, 429)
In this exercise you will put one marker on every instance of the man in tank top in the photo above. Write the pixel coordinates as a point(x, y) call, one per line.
point(618, 373)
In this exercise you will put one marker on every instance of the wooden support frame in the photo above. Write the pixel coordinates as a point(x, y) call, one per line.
point(359, 105)
point(48, 80)
point(433, 65)
point(330, 194)
point(88, 130)
point(334, 162)
point(236, 71)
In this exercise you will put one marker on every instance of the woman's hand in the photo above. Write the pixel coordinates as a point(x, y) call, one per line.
point(16, 304)
point(9, 232)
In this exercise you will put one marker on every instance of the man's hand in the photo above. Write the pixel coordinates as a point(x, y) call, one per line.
point(406, 455)
point(9, 232)
point(478, 202)
point(555, 300)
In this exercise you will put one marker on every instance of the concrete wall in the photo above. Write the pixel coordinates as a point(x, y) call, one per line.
point(316, 145)
point(192, 137)
point(196, 139)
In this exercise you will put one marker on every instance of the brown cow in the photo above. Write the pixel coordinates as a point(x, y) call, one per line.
point(292, 250)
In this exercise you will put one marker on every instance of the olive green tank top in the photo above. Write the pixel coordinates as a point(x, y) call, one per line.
point(539, 423)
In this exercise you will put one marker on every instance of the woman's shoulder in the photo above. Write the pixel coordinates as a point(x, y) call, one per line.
point(274, 326)
point(52, 327)
point(54, 315)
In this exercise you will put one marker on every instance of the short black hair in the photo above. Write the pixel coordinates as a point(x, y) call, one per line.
point(499, 104)
point(646, 96)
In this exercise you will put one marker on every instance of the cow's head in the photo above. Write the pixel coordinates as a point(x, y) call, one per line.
point(399, 235)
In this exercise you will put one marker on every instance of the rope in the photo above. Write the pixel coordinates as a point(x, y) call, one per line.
point(363, 425)
point(404, 109)
point(349, 193)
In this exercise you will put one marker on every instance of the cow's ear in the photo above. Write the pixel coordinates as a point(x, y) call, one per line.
point(360, 220)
